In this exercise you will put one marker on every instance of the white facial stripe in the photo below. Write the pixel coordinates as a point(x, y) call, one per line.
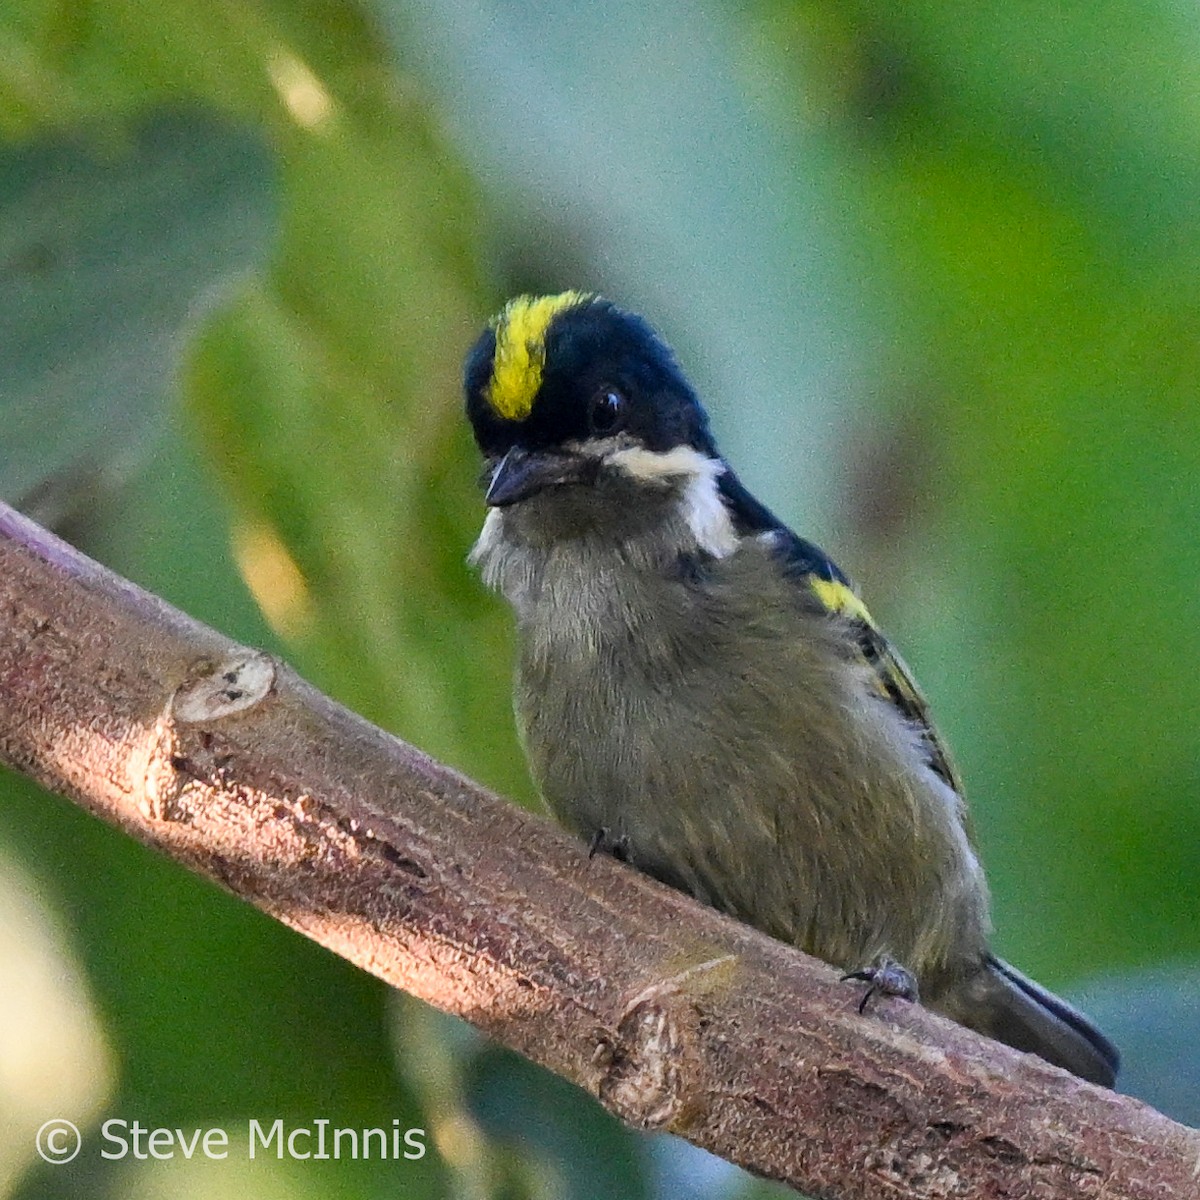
point(701, 504)
point(681, 462)
point(491, 537)
point(707, 516)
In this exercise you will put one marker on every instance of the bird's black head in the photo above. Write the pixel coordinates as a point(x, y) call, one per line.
point(561, 389)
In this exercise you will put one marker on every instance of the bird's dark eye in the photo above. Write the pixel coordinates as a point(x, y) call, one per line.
point(606, 411)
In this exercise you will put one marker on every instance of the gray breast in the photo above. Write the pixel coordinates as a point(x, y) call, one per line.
point(705, 715)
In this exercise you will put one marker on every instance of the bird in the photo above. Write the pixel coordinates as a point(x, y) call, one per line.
point(703, 693)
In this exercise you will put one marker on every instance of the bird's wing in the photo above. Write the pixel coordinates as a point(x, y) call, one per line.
point(893, 678)
point(819, 576)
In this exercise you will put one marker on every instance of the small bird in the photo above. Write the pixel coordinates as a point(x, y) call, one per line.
point(701, 692)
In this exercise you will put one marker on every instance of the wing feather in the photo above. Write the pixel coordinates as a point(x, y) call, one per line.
point(819, 576)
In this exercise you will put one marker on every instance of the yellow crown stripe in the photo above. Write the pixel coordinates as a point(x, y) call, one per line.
point(521, 351)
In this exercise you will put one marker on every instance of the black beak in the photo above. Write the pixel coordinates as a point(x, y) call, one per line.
point(524, 473)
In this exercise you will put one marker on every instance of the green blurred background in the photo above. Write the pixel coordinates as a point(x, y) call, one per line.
point(936, 270)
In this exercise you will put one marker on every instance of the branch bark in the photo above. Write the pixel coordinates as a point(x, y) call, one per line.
point(674, 1016)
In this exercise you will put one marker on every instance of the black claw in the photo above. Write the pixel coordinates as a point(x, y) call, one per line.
point(886, 978)
point(602, 839)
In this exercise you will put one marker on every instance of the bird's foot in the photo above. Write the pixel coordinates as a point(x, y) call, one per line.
point(602, 840)
point(886, 978)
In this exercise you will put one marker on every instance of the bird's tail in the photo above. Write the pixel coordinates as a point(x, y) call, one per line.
point(1003, 1004)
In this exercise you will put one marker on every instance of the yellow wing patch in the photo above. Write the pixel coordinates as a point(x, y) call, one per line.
point(892, 678)
point(521, 351)
point(840, 599)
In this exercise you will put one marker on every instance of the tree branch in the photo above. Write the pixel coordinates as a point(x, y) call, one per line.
point(674, 1016)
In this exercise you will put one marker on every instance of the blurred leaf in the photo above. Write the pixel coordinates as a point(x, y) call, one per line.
point(54, 1057)
point(360, 491)
point(106, 249)
point(329, 399)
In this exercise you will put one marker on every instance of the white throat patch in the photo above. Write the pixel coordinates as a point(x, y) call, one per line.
point(701, 505)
